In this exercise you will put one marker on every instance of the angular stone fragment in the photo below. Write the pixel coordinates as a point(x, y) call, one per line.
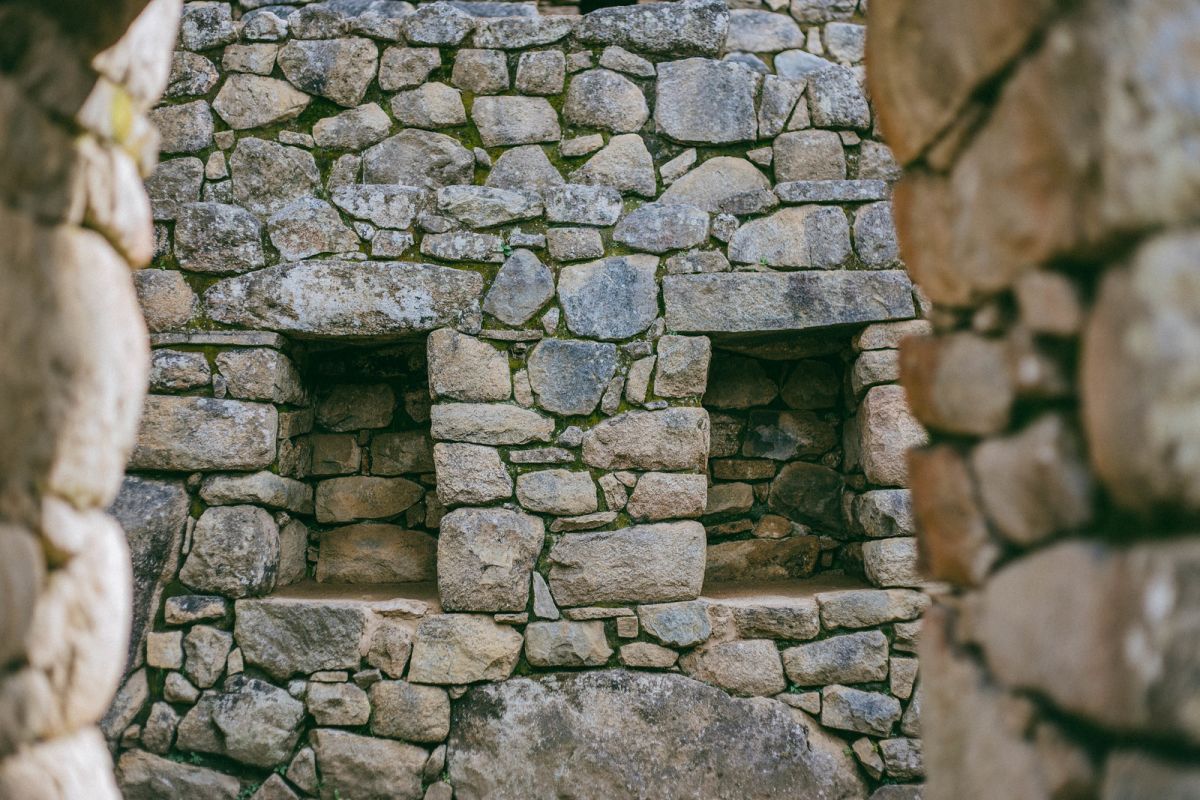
point(480, 71)
point(166, 300)
point(261, 488)
point(762, 559)
point(541, 72)
point(267, 176)
point(657, 228)
point(217, 238)
point(205, 649)
point(386, 205)
point(836, 100)
point(806, 236)
point(509, 120)
point(624, 164)
point(568, 376)
point(190, 433)
point(513, 32)
point(251, 721)
point(492, 423)
point(463, 648)
point(339, 69)
point(809, 156)
point(485, 556)
point(206, 25)
point(407, 67)
point(337, 704)
point(709, 185)
point(676, 624)
point(371, 552)
point(191, 74)
point(808, 493)
point(886, 431)
point(177, 370)
point(705, 101)
point(285, 636)
point(784, 435)
point(691, 27)
point(521, 287)
point(644, 655)
point(525, 168)
point(307, 227)
point(407, 711)
point(345, 298)
point(361, 766)
point(849, 709)
point(431, 105)
point(884, 512)
point(875, 235)
point(364, 497)
point(470, 474)
point(668, 495)
point(184, 128)
point(674, 438)
point(574, 244)
point(464, 368)
point(583, 205)
point(235, 552)
point(144, 776)
point(174, 182)
point(850, 658)
point(566, 644)
point(251, 101)
point(761, 749)
point(484, 207)
point(600, 98)
point(438, 24)
point(557, 491)
point(645, 563)
point(354, 129)
point(423, 159)
point(892, 562)
point(614, 298)
point(745, 667)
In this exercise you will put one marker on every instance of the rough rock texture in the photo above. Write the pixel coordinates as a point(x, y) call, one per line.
point(627, 720)
point(485, 556)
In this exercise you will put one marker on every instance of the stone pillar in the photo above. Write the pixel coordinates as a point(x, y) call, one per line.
point(75, 146)
point(1048, 206)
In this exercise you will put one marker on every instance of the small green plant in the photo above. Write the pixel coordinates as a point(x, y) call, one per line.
point(762, 262)
point(248, 791)
point(505, 249)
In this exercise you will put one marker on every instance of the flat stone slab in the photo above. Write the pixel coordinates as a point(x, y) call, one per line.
point(373, 299)
point(601, 735)
point(747, 302)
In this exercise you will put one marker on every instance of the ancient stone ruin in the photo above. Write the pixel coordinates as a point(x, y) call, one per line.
point(512, 373)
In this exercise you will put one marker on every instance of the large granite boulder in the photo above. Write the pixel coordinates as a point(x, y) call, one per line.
point(344, 298)
point(624, 734)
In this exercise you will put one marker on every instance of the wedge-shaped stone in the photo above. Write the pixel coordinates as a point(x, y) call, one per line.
point(386, 205)
point(521, 287)
point(364, 497)
point(296, 635)
point(463, 648)
point(715, 181)
point(746, 302)
point(345, 298)
point(419, 158)
point(691, 27)
point(191, 433)
point(674, 438)
point(261, 488)
point(614, 298)
point(376, 553)
point(642, 564)
point(489, 423)
point(485, 557)
point(249, 101)
point(484, 207)
point(851, 658)
point(362, 766)
point(706, 101)
point(624, 164)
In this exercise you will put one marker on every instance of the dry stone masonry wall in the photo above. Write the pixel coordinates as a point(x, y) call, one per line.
point(1049, 209)
point(511, 371)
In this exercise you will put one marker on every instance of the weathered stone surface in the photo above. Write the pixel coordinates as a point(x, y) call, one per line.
point(352, 406)
point(510, 120)
point(309, 226)
point(143, 776)
point(261, 373)
point(836, 100)
point(525, 168)
point(470, 474)
point(407, 711)
point(600, 98)
point(463, 246)
point(489, 423)
point(213, 237)
point(480, 71)
point(851, 658)
point(624, 164)
point(855, 710)
point(364, 767)
point(692, 27)
point(541, 72)
point(372, 552)
point(285, 636)
point(174, 182)
point(674, 438)
point(465, 368)
point(184, 128)
point(557, 491)
point(709, 185)
point(784, 435)
point(958, 383)
point(757, 301)
point(804, 236)
point(486, 207)
point(808, 493)
point(754, 31)
point(345, 298)
point(644, 655)
point(400, 453)
point(235, 552)
point(657, 228)
point(568, 376)
point(485, 557)
point(809, 156)
point(884, 512)
point(267, 176)
point(251, 101)
point(339, 69)
point(738, 382)
point(430, 105)
point(364, 497)
point(355, 129)
point(251, 721)
point(566, 644)
point(668, 495)
point(418, 158)
point(205, 649)
point(153, 514)
point(614, 298)
point(520, 289)
point(406, 67)
point(762, 559)
point(676, 624)
point(744, 667)
point(191, 74)
point(682, 366)
point(166, 300)
point(644, 563)
point(886, 431)
point(386, 205)
point(705, 101)
point(866, 608)
point(892, 562)
point(463, 648)
point(875, 235)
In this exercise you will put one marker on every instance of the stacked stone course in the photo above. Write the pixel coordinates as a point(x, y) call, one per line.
point(1047, 210)
point(443, 298)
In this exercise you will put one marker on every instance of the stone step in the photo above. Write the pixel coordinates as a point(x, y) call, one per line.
point(310, 627)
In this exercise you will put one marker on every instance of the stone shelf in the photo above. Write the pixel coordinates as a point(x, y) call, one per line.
point(779, 592)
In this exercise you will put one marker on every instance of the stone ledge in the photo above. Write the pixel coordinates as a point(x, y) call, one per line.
point(222, 339)
point(747, 302)
point(832, 191)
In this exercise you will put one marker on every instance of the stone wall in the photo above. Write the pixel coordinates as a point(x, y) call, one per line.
point(442, 300)
point(75, 146)
point(1048, 210)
